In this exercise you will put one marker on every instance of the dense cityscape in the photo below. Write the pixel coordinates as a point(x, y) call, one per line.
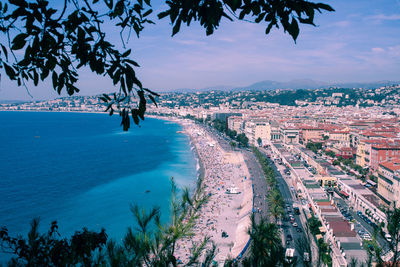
point(338, 150)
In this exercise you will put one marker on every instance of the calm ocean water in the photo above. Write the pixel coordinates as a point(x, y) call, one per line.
point(83, 171)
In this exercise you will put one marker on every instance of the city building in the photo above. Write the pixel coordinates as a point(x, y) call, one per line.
point(389, 181)
point(384, 152)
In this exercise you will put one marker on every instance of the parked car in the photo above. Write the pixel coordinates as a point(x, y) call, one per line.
point(295, 224)
point(388, 237)
point(367, 236)
point(289, 237)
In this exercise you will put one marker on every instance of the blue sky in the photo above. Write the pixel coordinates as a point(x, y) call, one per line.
point(359, 42)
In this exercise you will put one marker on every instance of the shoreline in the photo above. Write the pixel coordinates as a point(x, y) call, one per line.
point(220, 170)
point(181, 122)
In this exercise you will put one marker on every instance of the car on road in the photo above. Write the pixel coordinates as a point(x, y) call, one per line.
point(299, 230)
point(289, 237)
point(366, 236)
point(371, 247)
point(295, 224)
point(296, 210)
point(388, 237)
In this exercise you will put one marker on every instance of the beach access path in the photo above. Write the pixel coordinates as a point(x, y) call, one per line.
point(224, 170)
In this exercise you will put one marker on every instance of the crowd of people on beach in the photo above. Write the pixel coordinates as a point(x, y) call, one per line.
point(227, 184)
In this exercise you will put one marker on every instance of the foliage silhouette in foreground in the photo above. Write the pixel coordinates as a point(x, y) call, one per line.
point(42, 40)
point(149, 243)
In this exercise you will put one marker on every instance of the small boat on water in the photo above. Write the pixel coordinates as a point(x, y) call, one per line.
point(147, 191)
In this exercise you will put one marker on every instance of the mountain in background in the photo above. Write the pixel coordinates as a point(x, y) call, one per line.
point(293, 85)
point(11, 101)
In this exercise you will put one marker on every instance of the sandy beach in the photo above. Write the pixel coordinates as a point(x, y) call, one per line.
point(230, 213)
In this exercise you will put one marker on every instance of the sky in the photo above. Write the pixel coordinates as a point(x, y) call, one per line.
point(359, 42)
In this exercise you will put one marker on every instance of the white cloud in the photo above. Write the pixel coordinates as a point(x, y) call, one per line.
point(395, 50)
point(382, 17)
point(226, 39)
point(343, 23)
point(190, 42)
point(377, 49)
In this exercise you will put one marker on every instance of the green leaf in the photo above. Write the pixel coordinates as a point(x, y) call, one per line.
point(35, 78)
point(119, 8)
point(5, 51)
point(9, 71)
point(325, 6)
point(19, 41)
point(135, 116)
point(151, 92)
point(153, 100)
point(127, 53)
point(260, 17)
point(54, 79)
point(177, 26)
point(134, 63)
point(163, 14)
point(294, 26)
point(269, 27)
point(148, 12)
point(107, 97)
point(109, 3)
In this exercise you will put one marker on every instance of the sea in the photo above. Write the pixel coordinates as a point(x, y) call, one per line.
point(82, 170)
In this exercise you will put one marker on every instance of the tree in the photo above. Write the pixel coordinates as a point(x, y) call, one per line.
point(276, 203)
point(266, 246)
point(49, 250)
point(242, 139)
point(330, 153)
point(259, 141)
point(314, 225)
point(148, 244)
point(393, 227)
point(56, 42)
point(323, 252)
point(233, 144)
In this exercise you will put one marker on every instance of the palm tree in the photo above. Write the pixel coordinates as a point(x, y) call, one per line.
point(149, 243)
point(276, 204)
point(266, 245)
point(323, 253)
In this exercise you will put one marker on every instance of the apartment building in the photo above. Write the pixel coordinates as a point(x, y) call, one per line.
point(256, 130)
point(342, 138)
point(384, 152)
point(309, 133)
point(290, 135)
point(389, 181)
point(236, 123)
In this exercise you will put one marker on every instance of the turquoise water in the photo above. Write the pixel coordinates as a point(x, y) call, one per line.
point(83, 171)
